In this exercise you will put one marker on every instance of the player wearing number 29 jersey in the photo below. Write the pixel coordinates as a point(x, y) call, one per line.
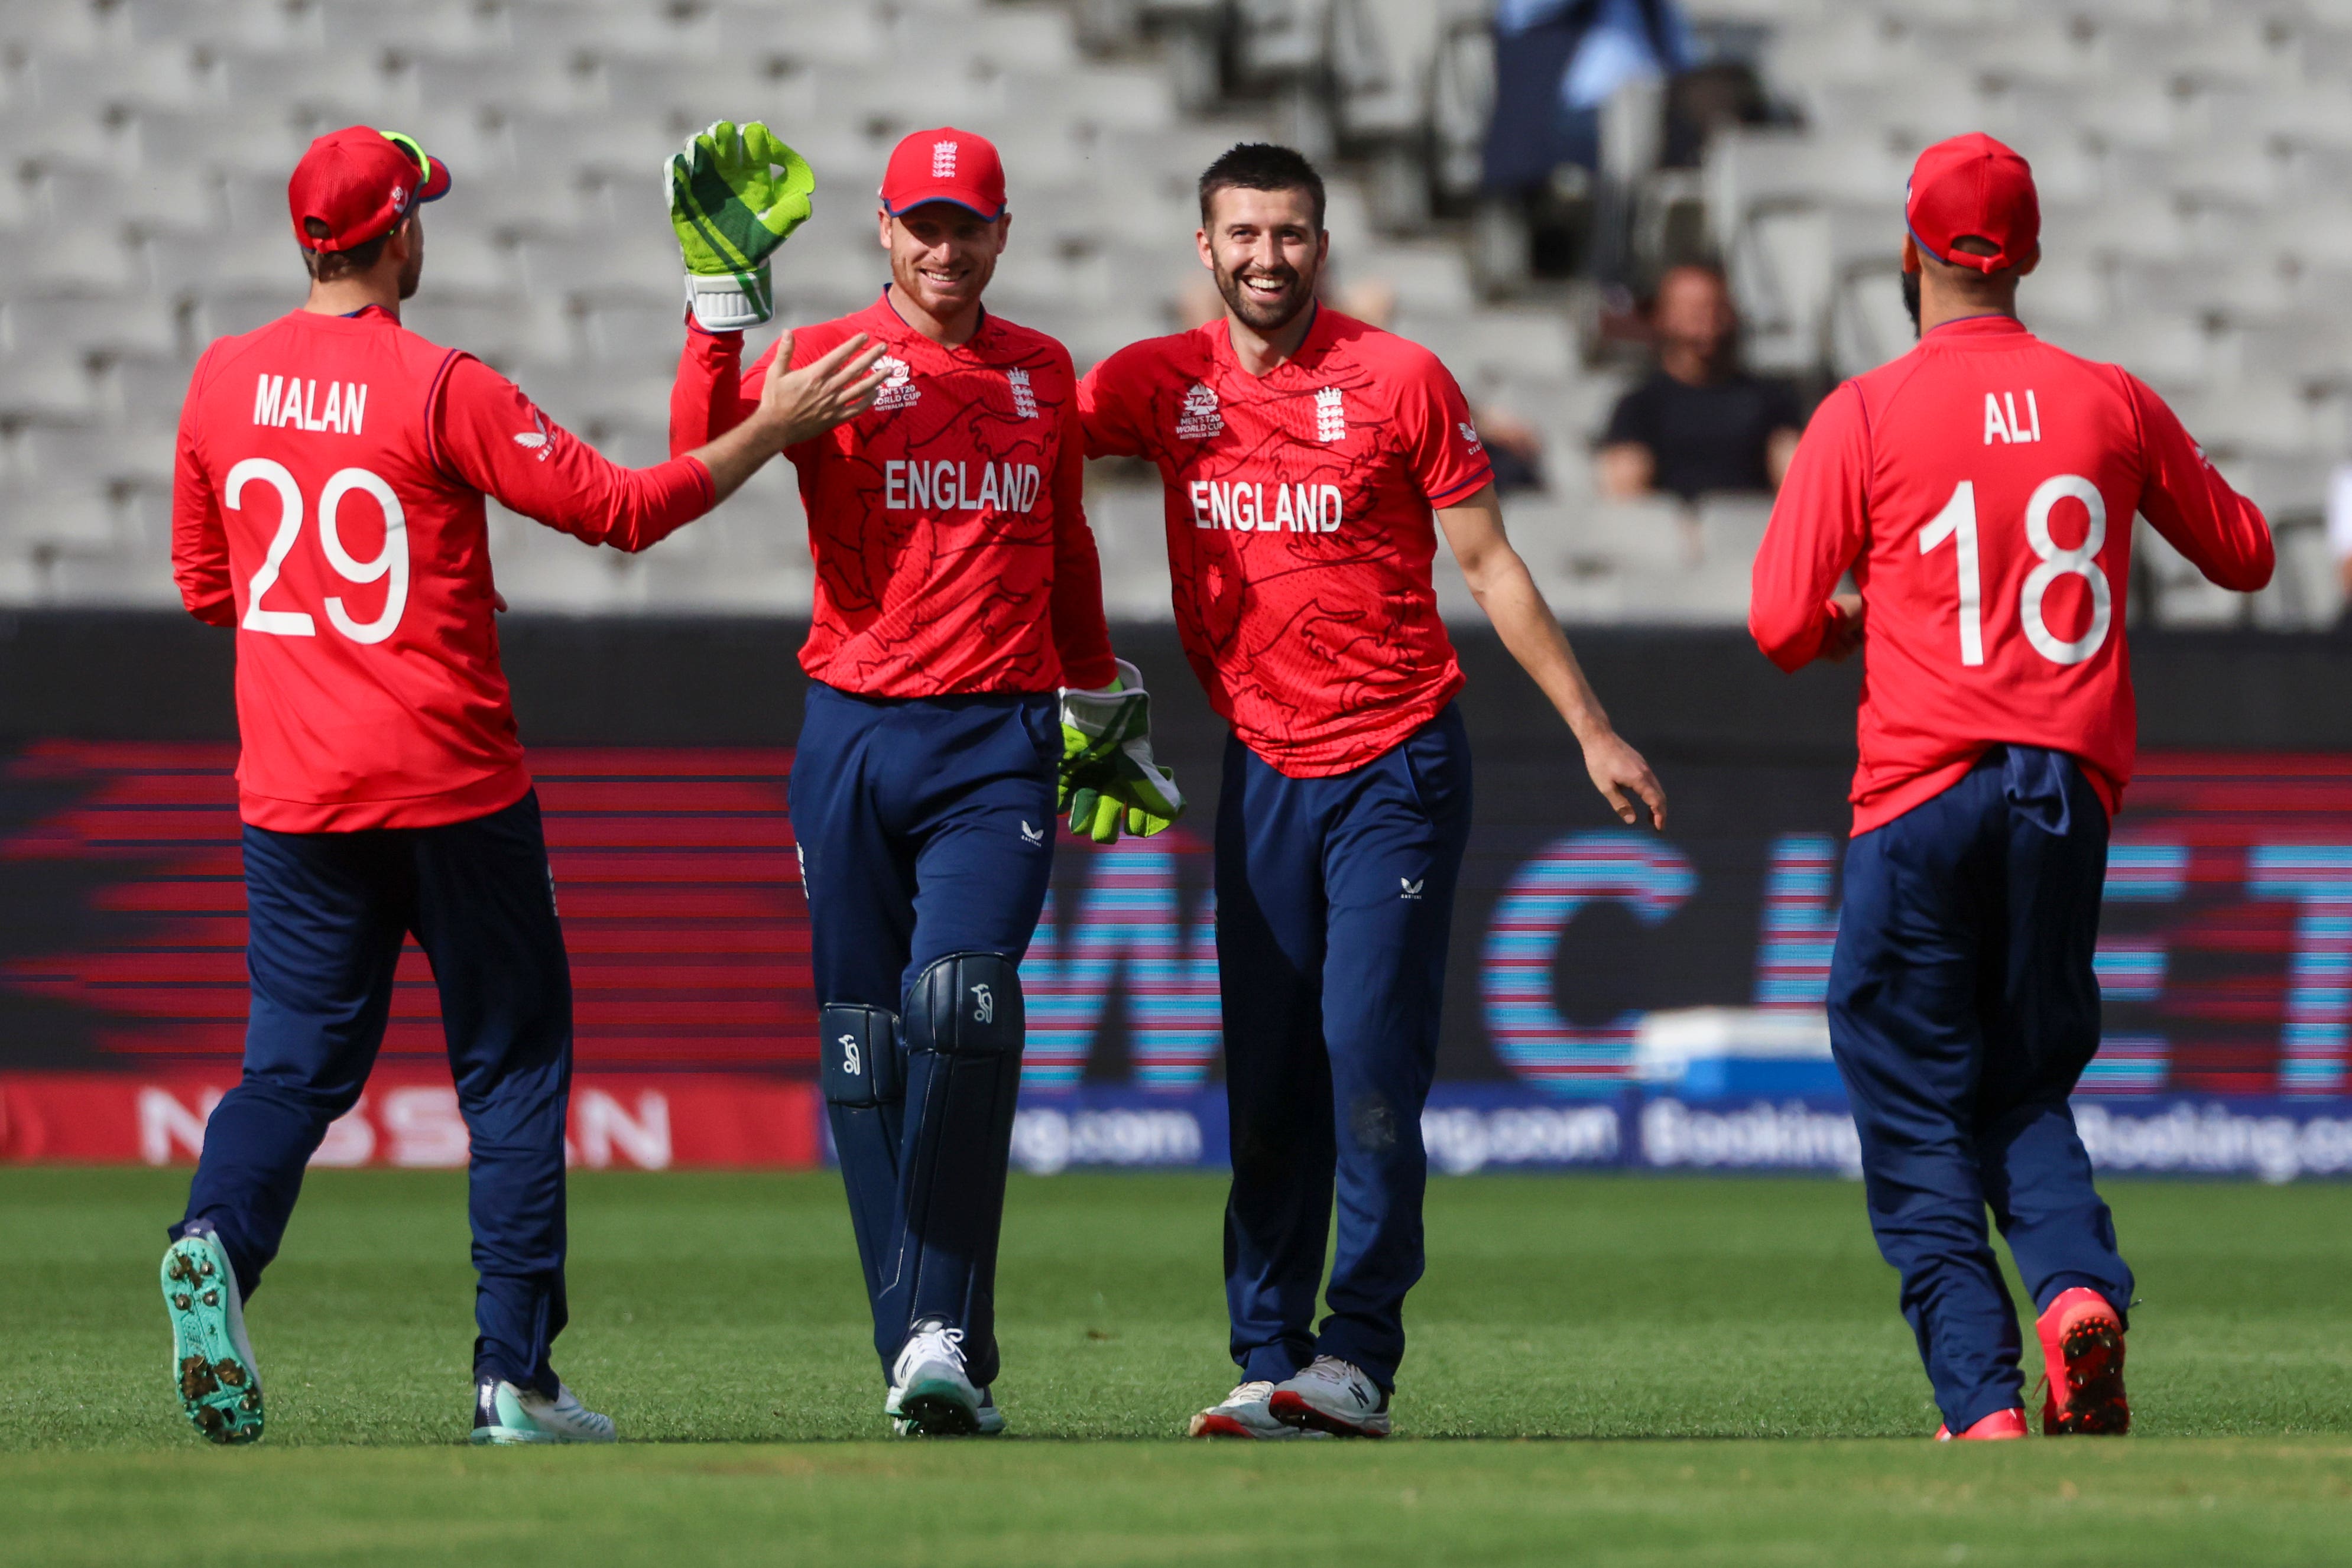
point(1982, 490)
point(329, 504)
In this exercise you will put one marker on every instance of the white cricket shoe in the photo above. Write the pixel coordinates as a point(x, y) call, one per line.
point(1335, 1397)
point(931, 1395)
point(1243, 1414)
point(505, 1414)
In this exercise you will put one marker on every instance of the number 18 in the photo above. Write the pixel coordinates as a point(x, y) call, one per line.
point(1957, 522)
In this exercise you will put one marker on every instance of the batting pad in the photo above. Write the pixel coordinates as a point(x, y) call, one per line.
point(964, 1025)
point(865, 1093)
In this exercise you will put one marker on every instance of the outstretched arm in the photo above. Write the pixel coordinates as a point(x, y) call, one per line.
point(491, 437)
point(1500, 582)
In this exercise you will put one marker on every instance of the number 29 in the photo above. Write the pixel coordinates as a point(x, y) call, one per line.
point(391, 561)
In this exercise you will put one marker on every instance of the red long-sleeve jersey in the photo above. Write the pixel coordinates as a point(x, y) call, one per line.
point(1982, 490)
point(948, 522)
point(328, 504)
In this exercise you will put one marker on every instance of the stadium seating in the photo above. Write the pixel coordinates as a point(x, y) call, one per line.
point(2196, 157)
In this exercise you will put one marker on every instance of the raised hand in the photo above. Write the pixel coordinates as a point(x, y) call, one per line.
point(735, 194)
point(799, 405)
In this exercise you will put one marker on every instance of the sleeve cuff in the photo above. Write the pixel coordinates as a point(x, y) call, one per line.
point(1470, 487)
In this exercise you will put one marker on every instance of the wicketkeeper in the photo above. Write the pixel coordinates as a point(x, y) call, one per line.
point(957, 593)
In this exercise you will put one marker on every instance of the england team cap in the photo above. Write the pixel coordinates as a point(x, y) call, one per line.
point(945, 165)
point(357, 183)
point(1973, 185)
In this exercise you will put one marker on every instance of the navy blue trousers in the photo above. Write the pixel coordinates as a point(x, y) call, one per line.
point(1962, 1009)
point(326, 914)
point(1335, 904)
point(925, 829)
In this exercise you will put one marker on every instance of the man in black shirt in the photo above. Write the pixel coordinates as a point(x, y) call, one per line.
point(1699, 423)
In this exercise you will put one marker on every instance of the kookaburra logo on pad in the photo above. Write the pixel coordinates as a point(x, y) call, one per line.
point(984, 1005)
point(853, 1060)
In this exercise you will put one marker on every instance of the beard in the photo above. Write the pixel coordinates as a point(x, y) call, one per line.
point(1267, 315)
point(1911, 300)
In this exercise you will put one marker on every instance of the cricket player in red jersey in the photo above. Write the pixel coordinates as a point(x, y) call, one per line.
point(1982, 490)
point(957, 590)
point(328, 505)
point(1310, 462)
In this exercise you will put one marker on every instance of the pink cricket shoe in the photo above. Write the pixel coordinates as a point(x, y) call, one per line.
point(2083, 1353)
point(1999, 1425)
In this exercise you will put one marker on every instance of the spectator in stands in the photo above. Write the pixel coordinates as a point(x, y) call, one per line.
point(2339, 535)
point(1700, 424)
point(1556, 63)
point(1513, 448)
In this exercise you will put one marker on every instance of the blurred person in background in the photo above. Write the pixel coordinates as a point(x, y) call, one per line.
point(1699, 424)
point(2339, 534)
point(1556, 63)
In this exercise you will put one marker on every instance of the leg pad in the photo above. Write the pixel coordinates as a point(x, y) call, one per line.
point(966, 1004)
point(865, 1086)
point(964, 1020)
point(859, 1048)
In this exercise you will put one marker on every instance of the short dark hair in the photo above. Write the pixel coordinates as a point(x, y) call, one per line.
point(326, 265)
point(1262, 166)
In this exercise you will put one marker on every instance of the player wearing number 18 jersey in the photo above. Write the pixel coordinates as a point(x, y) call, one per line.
point(328, 505)
point(1982, 490)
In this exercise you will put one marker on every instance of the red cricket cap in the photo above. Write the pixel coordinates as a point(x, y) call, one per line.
point(359, 184)
point(945, 165)
point(1973, 185)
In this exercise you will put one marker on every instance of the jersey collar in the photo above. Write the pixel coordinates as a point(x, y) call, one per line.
point(1320, 331)
point(896, 328)
point(1992, 325)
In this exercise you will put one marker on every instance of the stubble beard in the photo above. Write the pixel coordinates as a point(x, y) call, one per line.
point(1260, 316)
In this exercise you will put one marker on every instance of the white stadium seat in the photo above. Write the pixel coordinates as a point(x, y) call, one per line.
point(2195, 159)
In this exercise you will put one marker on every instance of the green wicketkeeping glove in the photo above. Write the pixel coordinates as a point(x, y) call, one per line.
point(1097, 722)
point(735, 194)
point(1109, 780)
point(1128, 791)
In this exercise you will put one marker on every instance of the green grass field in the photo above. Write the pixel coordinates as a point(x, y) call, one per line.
point(1568, 1325)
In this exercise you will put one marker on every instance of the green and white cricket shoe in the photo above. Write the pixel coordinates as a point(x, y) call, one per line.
point(931, 1395)
point(505, 1414)
point(212, 1360)
point(991, 1420)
